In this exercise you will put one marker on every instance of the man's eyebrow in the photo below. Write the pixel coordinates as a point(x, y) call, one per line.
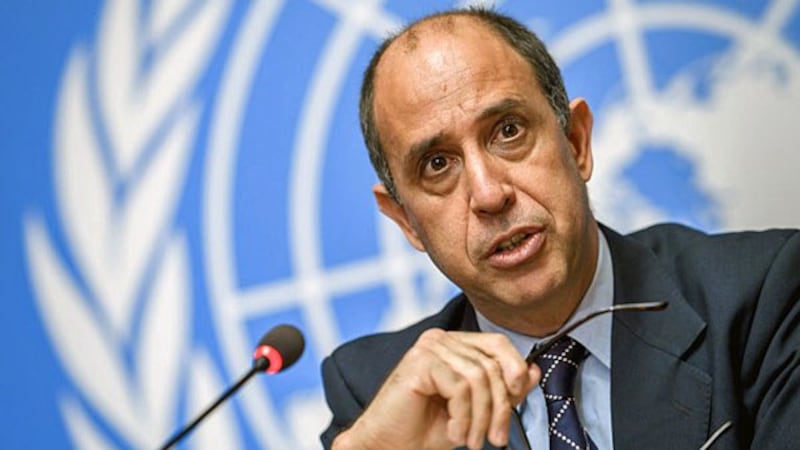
point(420, 148)
point(503, 106)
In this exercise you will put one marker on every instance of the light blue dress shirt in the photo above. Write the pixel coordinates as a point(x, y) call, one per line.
point(593, 383)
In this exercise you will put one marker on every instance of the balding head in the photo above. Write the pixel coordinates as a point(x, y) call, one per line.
point(521, 40)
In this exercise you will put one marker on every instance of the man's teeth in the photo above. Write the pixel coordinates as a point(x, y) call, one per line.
point(512, 243)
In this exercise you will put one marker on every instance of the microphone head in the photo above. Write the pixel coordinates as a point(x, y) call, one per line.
point(279, 348)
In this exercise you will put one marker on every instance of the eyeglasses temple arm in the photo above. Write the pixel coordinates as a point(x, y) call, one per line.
point(647, 306)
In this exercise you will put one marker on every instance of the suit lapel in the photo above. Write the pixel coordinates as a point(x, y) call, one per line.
point(656, 398)
point(468, 321)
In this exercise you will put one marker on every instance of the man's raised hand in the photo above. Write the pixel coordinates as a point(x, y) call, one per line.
point(450, 389)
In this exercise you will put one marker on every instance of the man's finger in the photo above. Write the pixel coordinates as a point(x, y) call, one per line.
point(501, 405)
point(515, 371)
point(477, 373)
point(457, 393)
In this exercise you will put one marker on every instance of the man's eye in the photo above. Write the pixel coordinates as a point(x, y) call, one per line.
point(509, 130)
point(438, 163)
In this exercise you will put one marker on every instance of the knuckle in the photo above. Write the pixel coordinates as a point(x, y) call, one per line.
point(416, 352)
point(493, 368)
point(518, 371)
point(461, 387)
point(475, 373)
point(498, 340)
point(431, 336)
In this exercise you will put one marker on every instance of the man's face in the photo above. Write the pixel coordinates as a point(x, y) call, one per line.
point(490, 184)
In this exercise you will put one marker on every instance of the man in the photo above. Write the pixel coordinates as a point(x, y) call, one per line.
point(484, 165)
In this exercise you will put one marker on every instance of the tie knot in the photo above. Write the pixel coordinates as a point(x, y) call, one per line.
point(559, 366)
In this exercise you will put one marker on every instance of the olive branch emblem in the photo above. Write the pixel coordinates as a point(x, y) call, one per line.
point(116, 297)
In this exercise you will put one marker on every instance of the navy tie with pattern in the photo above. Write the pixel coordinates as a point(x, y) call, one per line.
point(559, 366)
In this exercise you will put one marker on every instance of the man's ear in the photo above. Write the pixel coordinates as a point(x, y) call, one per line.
point(579, 134)
point(395, 211)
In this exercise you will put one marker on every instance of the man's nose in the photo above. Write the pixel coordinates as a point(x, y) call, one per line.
point(489, 186)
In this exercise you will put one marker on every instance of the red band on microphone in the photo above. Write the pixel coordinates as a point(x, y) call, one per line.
point(275, 359)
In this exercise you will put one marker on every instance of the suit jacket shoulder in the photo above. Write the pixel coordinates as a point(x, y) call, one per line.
point(724, 274)
point(715, 354)
point(678, 245)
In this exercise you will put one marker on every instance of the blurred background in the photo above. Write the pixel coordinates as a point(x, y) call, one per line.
point(176, 177)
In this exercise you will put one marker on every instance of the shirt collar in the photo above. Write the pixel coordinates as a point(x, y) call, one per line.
point(595, 335)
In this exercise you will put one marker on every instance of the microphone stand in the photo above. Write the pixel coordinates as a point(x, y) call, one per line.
point(259, 365)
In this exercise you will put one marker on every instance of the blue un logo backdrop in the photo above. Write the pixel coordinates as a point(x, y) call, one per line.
point(180, 176)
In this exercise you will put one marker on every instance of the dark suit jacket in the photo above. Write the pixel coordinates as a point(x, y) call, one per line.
point(726, 348)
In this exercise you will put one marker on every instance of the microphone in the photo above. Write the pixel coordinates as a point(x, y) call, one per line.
point(277, 350)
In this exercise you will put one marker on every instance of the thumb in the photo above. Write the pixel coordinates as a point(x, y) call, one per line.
point(534, 376)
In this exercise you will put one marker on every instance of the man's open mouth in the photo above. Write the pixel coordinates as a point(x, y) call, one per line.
point(512, 243)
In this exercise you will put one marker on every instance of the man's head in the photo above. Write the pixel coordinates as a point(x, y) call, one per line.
point(521, 39)
point(489, 176)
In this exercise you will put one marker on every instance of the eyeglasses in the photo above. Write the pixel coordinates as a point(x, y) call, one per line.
point(517, 440)
point(540, 349)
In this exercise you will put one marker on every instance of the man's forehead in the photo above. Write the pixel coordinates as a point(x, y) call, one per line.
point(438, 43)
point(450, 24)
point(444, 68)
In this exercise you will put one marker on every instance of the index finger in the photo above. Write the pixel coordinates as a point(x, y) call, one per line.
point(518, 376)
